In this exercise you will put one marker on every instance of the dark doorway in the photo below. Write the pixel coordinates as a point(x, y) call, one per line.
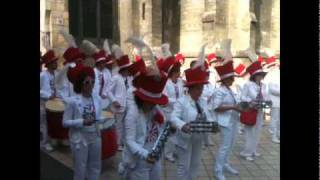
point(171, 24)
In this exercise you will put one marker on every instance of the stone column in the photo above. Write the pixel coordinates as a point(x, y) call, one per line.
point(156, 22)
point(125, 23)
point(191, 26)
point(265, 23)
point(208, 23)
point(275, 26)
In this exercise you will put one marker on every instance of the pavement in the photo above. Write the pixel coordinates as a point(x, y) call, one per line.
point(266, 167)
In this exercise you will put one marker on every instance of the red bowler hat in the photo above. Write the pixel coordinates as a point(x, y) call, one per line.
point(137, 58)
point(49, 57)
point(180, 58)
point(271, 61)
point(212, 58)
point(75, 74)
point(100, 56)
point(226, 70)
point(240, 70)
point(123, 62)
point(196, 76)
point(136, 68)
point(255, 68)
point(72, 54)
point(150, 87)
point(167, 64)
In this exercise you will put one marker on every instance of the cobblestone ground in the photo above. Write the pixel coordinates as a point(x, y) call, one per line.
point(265, 167)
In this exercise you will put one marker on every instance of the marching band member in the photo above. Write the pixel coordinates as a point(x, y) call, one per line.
point(227, 112)
point(82, 113)
point(253, 92)
point(273, 81)
point(174, 90)
point(142, 125)
point(189, 108)
point(47, 91)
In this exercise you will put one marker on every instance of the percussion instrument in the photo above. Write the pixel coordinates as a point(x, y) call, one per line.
point(204, 127)
point(54, 114)
point(161, 140)
point(109, 143)
point(264, 104)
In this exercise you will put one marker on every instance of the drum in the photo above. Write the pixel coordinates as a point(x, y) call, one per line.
point(108, 136)
point(54, 113)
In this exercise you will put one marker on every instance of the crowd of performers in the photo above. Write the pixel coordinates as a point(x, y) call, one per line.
point(146, 94)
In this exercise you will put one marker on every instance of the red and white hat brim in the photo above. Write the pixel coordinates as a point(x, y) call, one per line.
point(159, 99)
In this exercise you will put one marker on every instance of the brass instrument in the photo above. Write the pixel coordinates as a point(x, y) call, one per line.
point(204, 127)
point(161, 140)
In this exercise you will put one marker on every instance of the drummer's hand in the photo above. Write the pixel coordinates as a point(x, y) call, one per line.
point(116, 104)
point(88, 122)
point(52, 97)
point(150, 159)
point(186, 128)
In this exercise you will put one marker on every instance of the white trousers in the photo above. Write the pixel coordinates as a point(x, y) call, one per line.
point(170, 145)
point(43, 125)
point(145, 171)
point(119, 117)
point(86, 160)
point(227, 140)
point(252, 135)
point(189, 159)
point(275, 121)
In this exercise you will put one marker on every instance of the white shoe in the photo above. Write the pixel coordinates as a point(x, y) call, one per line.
point(257, 154)
point(120, 148)
point(244, 154)
point(48, 147)
point(220, 176)
point(170, 158)
point(240, 131)
point(275, 140)
point(249, 158)
point(230, 169)
point(270, 131)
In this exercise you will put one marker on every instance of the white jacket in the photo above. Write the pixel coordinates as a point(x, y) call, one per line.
point(213, 77)
point(273, 81)
point(72, 117)
point(107, 83)
point(119, 92)
point(207, 94)
point(223, 96)
point(66, 91)
point(45, 89)
point(185, 111)
point(251, 90)
point(135, 131)
point(169, 90)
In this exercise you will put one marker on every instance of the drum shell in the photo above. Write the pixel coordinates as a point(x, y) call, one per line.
point(55, 127)
point(108, 139)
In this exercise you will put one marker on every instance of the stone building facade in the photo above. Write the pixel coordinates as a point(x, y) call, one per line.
point(185, 24)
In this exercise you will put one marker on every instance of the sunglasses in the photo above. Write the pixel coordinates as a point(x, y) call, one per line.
point(88, 82)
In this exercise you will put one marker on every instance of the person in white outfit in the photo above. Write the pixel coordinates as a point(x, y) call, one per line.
point(119, 87)
point(273, 81)
point(174, 90)
point(239, 82)
point(189, 108)
point(103, 78)
point(227, 112)
point(253, 92)
point(142, 126)
point(47, 91)
point(81, 116)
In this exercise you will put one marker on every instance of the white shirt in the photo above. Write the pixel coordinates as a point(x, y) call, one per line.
point(225, 96)
point(106, 85)
point(119, 91)
point(251, 90)
point(272, 80)
point(173, 91)
point(213, 76)
point(47, 84)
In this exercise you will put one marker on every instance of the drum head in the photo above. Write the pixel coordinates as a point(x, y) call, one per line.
point(107, 114)
point(55, 105)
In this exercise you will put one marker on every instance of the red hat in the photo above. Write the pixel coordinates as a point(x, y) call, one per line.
point(195, 76)
point(255, 68)
point(76, 73)
point(180, 58)
point(100, 56)
point(168, 64)
point(49, 57)
point(150, 88)
point(71, 54)
point(225, 70)
point(271, 61)
point(137, 58)
point(211, 58)
point(136, 68)
point(123, 61)
point(240, 70)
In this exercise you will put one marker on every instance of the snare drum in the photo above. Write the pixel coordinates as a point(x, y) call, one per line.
point(54, 113)
point(108, 136)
